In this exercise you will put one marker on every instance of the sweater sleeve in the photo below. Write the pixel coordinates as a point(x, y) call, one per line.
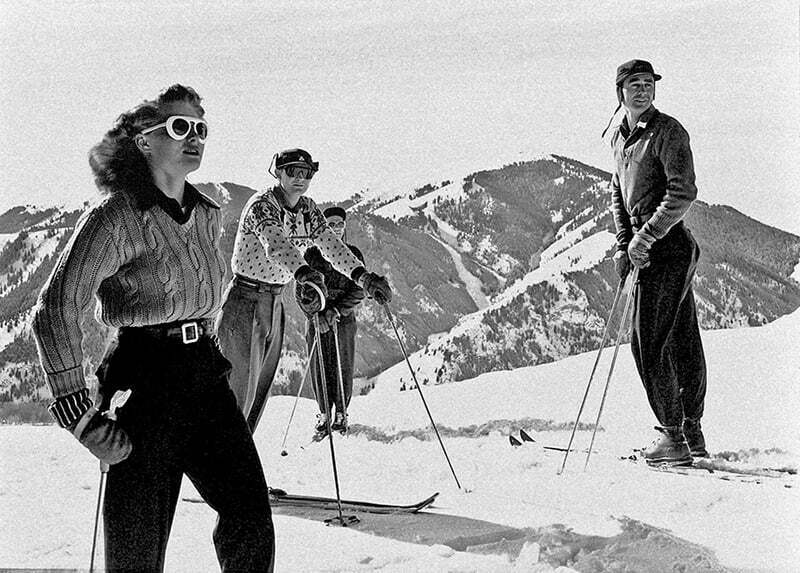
point(352, 294)
point(331, 246)
point(90, 257)
point(676, 157)
point(622, 221)
point(265, 221)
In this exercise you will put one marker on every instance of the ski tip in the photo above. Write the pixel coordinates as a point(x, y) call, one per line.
point(525, 437)
point(514, 441)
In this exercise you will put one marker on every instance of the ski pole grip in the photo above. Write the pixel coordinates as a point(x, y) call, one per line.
point(319, 293)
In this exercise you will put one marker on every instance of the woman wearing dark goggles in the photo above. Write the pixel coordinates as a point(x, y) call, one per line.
point(180, 126)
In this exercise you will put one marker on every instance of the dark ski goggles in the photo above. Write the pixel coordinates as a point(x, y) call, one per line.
point(297, 171)
point(180, 126)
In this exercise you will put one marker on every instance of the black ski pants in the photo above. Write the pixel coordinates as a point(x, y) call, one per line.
point(346, 331)
point(182, 418)
point(666, 341)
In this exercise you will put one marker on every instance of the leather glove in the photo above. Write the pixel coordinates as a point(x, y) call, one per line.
point(306, 295)
point(622, 264)
point(639, 248)
point(102, 436)
point(376, 287)
point(329, 316)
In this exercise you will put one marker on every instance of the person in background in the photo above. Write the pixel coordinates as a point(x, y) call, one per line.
point(340, 313)
point(276, 227)
point(653, 186)
point(149, 252)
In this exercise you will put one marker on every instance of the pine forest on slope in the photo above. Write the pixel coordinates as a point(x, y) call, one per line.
point(535, 237)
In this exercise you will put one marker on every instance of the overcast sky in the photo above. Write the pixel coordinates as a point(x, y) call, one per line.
point(393, 95)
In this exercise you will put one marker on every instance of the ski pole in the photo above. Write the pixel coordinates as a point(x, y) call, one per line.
point(297, 398)
point(340, 378)
point(594, 369)
point(622, 327)
point(324, 384)
point(419, 387)
point(100, 492)
point(117, 401)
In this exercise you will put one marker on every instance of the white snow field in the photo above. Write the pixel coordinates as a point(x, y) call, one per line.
point(48, 483)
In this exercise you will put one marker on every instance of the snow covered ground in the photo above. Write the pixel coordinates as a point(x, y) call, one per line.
point(48, 484)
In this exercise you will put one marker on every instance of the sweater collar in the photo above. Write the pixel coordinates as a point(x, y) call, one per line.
point(641, 124)
point(280, 195)
point(149, 196)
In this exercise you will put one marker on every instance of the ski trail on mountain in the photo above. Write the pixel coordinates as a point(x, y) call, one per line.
point(473, 283)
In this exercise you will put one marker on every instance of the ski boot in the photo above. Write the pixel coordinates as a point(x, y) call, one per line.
point(669, 448)
point(694, 437)
point(340, 423)
point(321, 427)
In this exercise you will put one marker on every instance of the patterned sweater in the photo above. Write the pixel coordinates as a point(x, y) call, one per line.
point(272, 238)
point(654, 175)
point(146, 263)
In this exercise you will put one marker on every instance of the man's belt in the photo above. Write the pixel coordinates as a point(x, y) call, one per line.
point(257, 285)
point(185, 331)
point(638, 221)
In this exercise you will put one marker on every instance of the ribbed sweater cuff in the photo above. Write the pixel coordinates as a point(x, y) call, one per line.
point(68, 410)
point(66, 382)
point(660, 224)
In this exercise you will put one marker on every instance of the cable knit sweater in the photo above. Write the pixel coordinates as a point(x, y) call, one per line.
point(143, 261)
point(654, 175)
point(272, 238)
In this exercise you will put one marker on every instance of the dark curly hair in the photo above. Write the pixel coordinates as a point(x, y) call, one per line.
point(116, 162)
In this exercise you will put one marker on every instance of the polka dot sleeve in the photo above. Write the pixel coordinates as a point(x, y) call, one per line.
point(332, 248)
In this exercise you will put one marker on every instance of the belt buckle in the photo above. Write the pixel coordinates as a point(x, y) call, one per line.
point(190, 332)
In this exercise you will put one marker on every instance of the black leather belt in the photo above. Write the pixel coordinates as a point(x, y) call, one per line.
point(257, 285)
point(638, 221)
point(185, 331)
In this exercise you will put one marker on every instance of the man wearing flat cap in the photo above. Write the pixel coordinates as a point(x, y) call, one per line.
point(276, 227)
point(653, 186)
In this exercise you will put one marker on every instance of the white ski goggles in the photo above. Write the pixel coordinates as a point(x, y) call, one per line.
point(180, 126)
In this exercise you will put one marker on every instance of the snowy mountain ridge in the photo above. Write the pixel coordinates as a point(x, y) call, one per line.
point(499, 269)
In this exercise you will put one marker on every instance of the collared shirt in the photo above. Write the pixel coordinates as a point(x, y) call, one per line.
point(272, 238)
point(148, 196)
point(141, 263)
point(653, 176)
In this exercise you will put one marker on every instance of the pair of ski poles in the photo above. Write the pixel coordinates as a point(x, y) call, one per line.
point(341, 519)
point(622, 328)
point(317, 342)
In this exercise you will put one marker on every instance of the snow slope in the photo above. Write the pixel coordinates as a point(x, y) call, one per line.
point(554, 265)
point(48, 484)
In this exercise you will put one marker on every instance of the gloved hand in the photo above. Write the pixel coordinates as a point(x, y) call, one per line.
point(639, 248)
point(622, 264)
point(377, 287)
point(306, 295)
point(102, 436)
point(330, 316)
